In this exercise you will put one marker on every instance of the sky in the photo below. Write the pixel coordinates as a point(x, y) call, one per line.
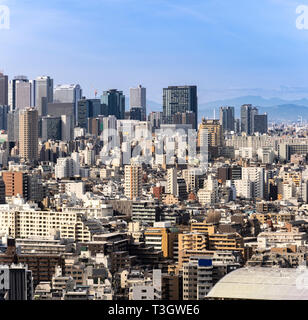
point(226, 48)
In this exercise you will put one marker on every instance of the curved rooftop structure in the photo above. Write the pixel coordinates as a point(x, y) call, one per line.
point(257, 283)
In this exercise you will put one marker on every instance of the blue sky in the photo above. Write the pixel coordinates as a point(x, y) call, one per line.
point(227, 48)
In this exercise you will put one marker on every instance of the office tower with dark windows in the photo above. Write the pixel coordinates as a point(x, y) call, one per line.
point(136, 113)
point(254, 112)
point(227, 118)
point(28, 134)
point(260, 123)
point(43, 94)
point(246, 125)
point(4, 83)
point(3, 117)
point(138, 99)
point(87, 108)
point(20, 91)
point(51, 128)
point(113, 104)
point(179, 99)
point(13, 126)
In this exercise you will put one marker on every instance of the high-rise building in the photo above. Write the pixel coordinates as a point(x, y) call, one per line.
point(20, 91)
point(4, 82)
point(138, 99)
point(246, 125)
point(113, 103)
point(88, 108)
point(43, 94)
point(28, 134)
point(227, 118)
point(51, 128)
point(68, 94)
point(3, 117)
point(210, 131)
point(260, 123)
point(133, 184)
point(172, 180)
point(180, 99)
point(16, 183)
point(13, 126)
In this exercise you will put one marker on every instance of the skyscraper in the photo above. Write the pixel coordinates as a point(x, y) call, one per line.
point(68, 94)
point(113, 103)
point(180, 99)
point(133, 185)
point(260, 123)
point(28, 134)
point(138, 99)
point(227, 118)
point(44, 94)
point(4, 80)
point(246, 119)
point(20, 91)
point(3, 117)
point(51, 128)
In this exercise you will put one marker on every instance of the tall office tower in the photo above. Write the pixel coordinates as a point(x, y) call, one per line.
point(214, 133)
point(67, 127)
point(246, 119)
point(227, 118)
point(87, 108)
point(133, 184)
point(68, 94)
point(13, 126)
point(33, 93)
point(113, 103)
point(179, 99)
point(172, 181)
point(260, 123)
point(4, 83)
point(3, 117)
point(237, 126)
point(138, 98)
point(20, 90)
point(51, 128)
point(254, 112)
point(16, 282)
point(43, 94)
point(28, 134)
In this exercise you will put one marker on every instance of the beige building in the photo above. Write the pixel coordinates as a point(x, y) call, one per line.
point(133, 182)
point(28, 134)
point(21, 222)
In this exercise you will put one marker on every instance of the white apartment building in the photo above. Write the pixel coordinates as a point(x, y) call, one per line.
point(24, 221)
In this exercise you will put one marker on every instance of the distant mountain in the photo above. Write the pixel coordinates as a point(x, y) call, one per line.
point(254, 100)
point(276, 108)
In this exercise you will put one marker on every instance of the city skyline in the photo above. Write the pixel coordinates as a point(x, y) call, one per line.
point(218, 47)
